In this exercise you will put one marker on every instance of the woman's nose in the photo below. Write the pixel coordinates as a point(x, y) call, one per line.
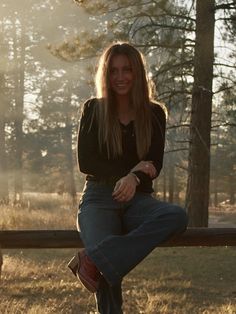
point(120, 75)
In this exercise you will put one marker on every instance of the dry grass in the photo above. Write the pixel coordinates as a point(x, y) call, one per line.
point(169, 281)
point(229, 217)
point(41, 211)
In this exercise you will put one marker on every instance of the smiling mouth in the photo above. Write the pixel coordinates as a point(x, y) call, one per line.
point(121, 85)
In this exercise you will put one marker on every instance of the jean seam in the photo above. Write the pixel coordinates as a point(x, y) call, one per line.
point(109, 263)
point(151, 215)
point(98, 255)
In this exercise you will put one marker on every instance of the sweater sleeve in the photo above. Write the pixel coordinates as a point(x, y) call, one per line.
point(90, 160)
point(156, 150)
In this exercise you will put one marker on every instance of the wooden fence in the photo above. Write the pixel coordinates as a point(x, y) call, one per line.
point(13, 239)
point(39, 239)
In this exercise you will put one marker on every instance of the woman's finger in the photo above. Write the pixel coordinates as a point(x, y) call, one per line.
point(149, 169)
point(124, 195)
point(116, 186)
point(120, 188)
point(130, 196)
point(122, 192)
point(124, 189)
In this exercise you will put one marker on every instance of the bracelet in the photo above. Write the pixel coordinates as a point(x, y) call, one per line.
point(135, 177)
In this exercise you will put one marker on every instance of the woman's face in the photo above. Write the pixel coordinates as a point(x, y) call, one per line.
point(121, 75)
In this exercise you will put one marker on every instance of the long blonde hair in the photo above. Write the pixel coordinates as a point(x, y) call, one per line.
point(109, 133)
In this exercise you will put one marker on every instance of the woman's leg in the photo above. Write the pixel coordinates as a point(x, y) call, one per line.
point(109, 298)
point(148, 222)
point(99, 218)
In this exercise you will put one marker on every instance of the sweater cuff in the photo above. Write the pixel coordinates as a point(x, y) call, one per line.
point(143, 177)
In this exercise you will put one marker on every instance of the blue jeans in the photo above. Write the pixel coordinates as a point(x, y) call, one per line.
point(117, 236)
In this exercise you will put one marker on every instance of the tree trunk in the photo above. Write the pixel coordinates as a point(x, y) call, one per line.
point(4, 193)
point(4, 189)
point(164, 184)
point(171, 178)
point(69, 154)
point(197, 199)
point(19, 57)
point(177, 192)
point(1, 262)
point(215, 186)
point(231, 189)
point(155, 187)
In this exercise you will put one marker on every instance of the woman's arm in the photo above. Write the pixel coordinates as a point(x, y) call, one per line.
point(156, 151)
point(90, 159)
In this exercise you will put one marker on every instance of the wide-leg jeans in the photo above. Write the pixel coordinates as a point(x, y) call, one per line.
point(117, 236)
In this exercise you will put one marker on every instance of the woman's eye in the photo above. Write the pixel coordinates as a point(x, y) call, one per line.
point(127, 69)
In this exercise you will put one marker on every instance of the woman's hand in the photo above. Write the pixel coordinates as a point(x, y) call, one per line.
point(125, 188)
point(146, 167)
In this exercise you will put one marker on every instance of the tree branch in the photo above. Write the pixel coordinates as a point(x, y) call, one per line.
point(227, 6)
point(163, 26)
point(223, 124)
point(226, 65)
point(163, 70)
point(223, 89)
point(178, 126)
point(176, 150)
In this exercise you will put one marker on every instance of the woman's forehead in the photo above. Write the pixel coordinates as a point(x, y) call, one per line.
point(120, 59)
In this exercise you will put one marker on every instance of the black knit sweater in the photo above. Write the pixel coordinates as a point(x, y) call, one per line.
point(98, 167)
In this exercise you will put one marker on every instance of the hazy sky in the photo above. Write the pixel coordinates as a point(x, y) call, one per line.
point(56, 23)
point(52, 25)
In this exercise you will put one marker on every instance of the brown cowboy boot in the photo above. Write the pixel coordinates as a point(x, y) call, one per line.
point(84, 269)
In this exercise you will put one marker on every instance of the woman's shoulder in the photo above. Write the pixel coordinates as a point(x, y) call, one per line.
point(159, 109)
point(90, 104)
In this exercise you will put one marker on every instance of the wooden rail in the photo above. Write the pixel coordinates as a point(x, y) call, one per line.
point(13, 239)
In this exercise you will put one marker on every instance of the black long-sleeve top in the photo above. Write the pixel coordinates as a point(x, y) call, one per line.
point(98, 167)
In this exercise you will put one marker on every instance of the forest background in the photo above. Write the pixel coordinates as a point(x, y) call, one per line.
point(49, 51)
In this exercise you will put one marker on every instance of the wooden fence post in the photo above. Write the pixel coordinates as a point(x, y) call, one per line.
point(1, 262)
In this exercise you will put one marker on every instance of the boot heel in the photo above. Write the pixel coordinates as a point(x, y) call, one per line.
point(73, 264)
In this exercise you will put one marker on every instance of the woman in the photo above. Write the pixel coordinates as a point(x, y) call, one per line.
point(120, 149)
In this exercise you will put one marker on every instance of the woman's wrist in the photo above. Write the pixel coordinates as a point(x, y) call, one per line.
point(137, 180)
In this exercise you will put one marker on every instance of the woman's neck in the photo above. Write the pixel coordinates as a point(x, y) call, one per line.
point(123, 104)
point(125, 111)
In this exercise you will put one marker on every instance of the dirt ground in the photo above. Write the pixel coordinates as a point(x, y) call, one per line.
point(222, 217)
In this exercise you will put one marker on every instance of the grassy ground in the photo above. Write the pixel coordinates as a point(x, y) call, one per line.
point(229, 217)
point(168, 281)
